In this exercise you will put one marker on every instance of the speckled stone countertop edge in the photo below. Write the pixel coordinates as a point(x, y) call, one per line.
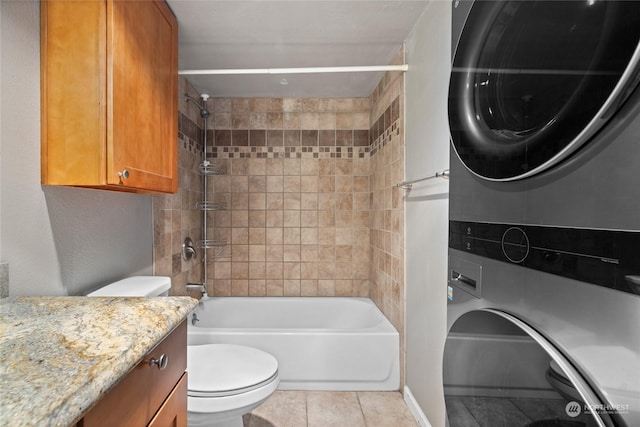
point(60, 355)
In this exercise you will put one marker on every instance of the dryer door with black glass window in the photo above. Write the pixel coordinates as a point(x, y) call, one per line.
point(532, 81)
point(497, 371)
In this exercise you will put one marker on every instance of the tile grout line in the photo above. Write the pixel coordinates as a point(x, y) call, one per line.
point(306, 408)
point(364, 419)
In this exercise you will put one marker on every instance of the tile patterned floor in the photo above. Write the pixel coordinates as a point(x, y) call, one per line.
point(331, 409)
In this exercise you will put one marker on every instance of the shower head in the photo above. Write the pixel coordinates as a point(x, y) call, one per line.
point(204, 113)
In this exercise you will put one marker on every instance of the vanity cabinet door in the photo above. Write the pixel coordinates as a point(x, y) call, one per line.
point(109, 95)
point(173, 412)
point(154, 391)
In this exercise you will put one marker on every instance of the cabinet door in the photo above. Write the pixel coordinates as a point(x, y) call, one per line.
point(142, 53)
point(173, 412)
point(73, 92)
point(135, 399)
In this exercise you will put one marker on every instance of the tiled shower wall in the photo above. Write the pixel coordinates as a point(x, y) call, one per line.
point(297, 197)
point(387, 286)
point(175, 216)
point(309, 196)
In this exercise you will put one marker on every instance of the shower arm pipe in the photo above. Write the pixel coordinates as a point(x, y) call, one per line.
point(194, 100)
point(300, 70)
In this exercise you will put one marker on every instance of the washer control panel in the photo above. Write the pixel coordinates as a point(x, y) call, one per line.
point(601, 257)
point(515, 244)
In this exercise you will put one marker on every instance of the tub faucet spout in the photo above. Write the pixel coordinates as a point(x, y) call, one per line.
point(197, 287)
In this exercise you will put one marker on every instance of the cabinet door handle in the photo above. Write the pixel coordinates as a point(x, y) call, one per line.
point(124, 174)
point(161, 362)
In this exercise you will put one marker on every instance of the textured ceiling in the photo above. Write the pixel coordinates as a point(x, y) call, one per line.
point(296, 33)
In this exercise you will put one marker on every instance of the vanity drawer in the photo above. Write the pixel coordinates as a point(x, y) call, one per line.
point(137, 397)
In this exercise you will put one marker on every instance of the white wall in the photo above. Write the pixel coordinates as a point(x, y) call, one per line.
point(57, 240)
point(1, 124)
point(427, 151)
point(4, 268)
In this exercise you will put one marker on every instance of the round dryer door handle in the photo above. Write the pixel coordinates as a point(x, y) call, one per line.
point(161, 362)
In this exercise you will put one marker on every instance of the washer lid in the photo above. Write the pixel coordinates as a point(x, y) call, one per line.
point(227, 369)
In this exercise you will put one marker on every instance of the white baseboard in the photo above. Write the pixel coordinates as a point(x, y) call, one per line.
point(414, 408)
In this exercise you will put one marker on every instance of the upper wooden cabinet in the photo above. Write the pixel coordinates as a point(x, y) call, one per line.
point(109, 76)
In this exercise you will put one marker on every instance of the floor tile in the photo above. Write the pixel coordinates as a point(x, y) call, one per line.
point(330, 408)
point(282, 409)
point(385, 409)
point(334, 409)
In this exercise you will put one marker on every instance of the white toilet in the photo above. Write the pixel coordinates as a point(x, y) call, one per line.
point(225, 381)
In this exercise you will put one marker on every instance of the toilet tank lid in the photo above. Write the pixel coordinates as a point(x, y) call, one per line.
point(135, 286)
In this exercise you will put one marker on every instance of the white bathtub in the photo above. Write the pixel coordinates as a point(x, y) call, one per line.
point(323, 343)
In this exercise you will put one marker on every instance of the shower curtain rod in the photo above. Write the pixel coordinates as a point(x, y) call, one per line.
point(300, 70)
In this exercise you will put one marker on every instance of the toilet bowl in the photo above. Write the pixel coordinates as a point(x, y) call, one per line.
point(225, 381)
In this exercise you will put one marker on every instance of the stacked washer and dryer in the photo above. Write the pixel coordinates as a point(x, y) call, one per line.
point(544, 247)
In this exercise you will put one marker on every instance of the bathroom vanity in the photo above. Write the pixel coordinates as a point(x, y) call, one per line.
point(79, 360)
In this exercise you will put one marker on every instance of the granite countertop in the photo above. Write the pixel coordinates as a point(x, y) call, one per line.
point(60, 355)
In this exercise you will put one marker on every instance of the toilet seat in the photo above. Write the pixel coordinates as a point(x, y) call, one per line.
point(226, 381)
point(224, 370)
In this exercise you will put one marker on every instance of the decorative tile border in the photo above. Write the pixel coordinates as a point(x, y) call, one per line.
point(287, 152)
point(386, 127)
point(270, 143)
point(289, 137)
point(189, 134)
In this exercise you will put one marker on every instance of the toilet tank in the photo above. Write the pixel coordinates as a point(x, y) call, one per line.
point(135, 286)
